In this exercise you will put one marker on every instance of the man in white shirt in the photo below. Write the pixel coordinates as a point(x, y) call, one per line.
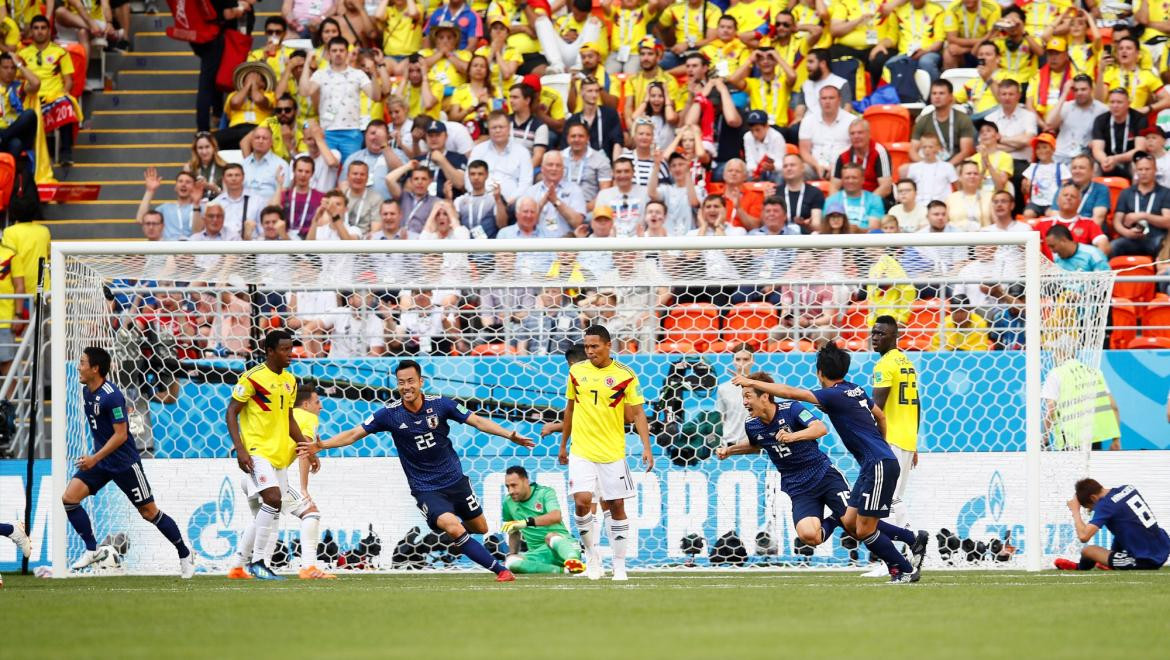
point(508, 161)
point(1002, 219)
point(1073, 122)
point(356, 331)
point(377, 155)
point(823, 137)
point(910, 214)
point(262, 166)
point(362, 201)
point(713, 222)
point(562, 204)
point(763, 148)
point(729, 397)
point(213, 230)
point(944, 259)
point(1017, 127)
point(819, 77)
point(238, 206)
point(330, 225)
point(627, 200)
point(680, 198)
point(339, 105)
point(584, 165)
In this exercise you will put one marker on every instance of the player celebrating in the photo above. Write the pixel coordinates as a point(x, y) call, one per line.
point(260, 423)
point(859, 423)
point(418, 425)
point(788, 432)
point(116, 459)
point(600, 392)
point(532, 511)
point(895, 373)
point(1139, 543)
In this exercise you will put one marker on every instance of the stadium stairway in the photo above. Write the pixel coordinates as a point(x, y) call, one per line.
point(148, 119)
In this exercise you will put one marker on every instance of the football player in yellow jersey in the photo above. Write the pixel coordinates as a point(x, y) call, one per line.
point(263, 432)
point(600, 391)
point(895, 391)
point(966, 25)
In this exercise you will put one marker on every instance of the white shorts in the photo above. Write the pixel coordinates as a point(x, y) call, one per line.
point(265, 476)
point(905, 464)
point(612, 480)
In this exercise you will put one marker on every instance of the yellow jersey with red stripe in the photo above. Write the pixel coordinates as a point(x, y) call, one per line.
point(267, 397)
point(600, 397)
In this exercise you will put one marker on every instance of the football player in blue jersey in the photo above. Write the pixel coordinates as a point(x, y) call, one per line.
point(418, 423)
point(859, 423)
point(787, 431)
point(115, 458)
point(1139, 543)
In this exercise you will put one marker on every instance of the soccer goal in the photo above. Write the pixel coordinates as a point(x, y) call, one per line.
point(984, 318)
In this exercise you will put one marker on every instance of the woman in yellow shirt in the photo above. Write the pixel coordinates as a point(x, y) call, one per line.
point(478, 89)
point(248, 106)
point(401, 24)
point(503, 59)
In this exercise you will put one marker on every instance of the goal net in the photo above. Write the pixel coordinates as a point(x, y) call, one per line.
point(983, 317)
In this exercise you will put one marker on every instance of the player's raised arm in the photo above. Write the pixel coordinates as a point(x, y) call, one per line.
point(343, 439)
point(816, 429)
point(777, 390)
point(1085, 531)
point(741, 447)
point(232, 417)
point(488, 426)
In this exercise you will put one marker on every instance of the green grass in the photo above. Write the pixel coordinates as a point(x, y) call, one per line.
point(675, 615)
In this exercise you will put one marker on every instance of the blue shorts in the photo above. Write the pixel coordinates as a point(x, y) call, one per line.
point(132, 481)
point(1120, 560)
point(831, 491)
point(873, 492)
point(457, 498)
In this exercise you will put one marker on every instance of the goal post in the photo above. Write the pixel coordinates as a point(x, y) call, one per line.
point(489, 321)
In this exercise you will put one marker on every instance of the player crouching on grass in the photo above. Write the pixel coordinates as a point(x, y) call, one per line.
point(1138, 542)
point(533, 512)
point(419, 426)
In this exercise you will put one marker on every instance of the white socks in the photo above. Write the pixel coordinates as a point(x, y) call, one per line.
point(587, 531)
point(619, 533)
point(262, 528)
point(310, 538)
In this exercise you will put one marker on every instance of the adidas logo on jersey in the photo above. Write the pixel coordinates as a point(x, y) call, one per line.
point(402, 425)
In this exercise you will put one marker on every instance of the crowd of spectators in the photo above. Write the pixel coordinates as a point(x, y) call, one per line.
point(646, 118)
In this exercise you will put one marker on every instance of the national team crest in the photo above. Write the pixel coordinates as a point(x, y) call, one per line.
point(539, 506)
point(433, 422)
point(609, 382)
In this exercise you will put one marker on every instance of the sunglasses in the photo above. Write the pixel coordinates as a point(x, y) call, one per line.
point(274, 33)
point(286, 110)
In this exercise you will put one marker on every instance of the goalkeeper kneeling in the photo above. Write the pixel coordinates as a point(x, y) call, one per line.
point(533, 512)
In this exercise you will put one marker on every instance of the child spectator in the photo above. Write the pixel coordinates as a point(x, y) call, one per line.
point(1043, 177)
point(932, 176)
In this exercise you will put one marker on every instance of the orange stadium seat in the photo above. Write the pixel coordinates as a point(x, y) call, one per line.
point(676, 346)
point(855, 322)
point(1156, 317)
point(1134, 266)
point(791, 346)
point(899, 156)
point(823, 186)
point(926, 318)
point(1146, 341)
point(888, 124)
point(1122, 314)
point(1115, 184)
point(696, 324)
point(492, 349)
point(750, 322)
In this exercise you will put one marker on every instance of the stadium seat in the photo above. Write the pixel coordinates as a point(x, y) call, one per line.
point(855, 322)
point(792, 149)
point(791, 346)
point(888, 123)
point(1123, 316)
point(1156, 317)
point(922, 80)
point(959, 77)
point(750, 322)
point(899, 156)
point(917, 342)
point(676, 346)
point(1134, 266)
point(1146, 342)
point(492, 349)
point(1115, 184)
point(232, 156)
point(823, 186)
point(926, 317)
point(696, 324)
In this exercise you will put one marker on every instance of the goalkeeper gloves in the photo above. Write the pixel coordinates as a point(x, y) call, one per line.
point(516, 525)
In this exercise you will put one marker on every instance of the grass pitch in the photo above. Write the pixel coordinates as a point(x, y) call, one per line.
point(654, 615)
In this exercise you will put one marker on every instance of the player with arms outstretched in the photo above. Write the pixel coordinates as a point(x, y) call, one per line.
point(418, 423)
point(1139, 543)
point(533, 512)
point(859, 423)
point(116, 459)
point(788, 433)
point(600, 392)
point(895, 391)
point(265, 436)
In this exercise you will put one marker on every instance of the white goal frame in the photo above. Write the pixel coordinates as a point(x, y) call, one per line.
point(1028, 241)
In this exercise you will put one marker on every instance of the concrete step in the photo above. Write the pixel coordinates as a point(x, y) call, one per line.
point(78, 230)
point(170, 99)
point(177, 60)
point(127, 189)
point(142, 153)
point(139, 79)
point(117, 136)
point(144, 119)
point(102, 209)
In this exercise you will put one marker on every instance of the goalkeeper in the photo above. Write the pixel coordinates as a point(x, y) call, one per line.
point(532, 512)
